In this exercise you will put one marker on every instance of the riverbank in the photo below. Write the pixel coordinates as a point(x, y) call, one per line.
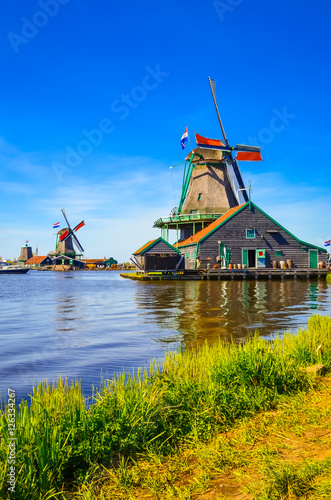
point(231, 274)
point(139, 437)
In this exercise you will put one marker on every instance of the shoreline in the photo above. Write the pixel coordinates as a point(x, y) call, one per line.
point(192, 397)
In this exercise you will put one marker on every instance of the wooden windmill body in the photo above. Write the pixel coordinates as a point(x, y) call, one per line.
point(212, 183)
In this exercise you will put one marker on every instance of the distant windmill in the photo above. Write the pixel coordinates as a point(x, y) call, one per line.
point(66, 239)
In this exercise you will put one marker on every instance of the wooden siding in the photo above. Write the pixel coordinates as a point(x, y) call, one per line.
point(160, 248)
point(233, 234)
point(159, 263)
point(187, 253)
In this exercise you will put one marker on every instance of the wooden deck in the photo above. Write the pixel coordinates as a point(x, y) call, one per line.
point(233, 274)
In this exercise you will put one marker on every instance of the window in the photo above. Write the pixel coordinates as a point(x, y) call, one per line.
point(278, 253)
point(199, 197)
point(194, 211)
point(250, 233)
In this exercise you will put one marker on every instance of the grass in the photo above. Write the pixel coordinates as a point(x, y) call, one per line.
point(131, 437)
point(328, 278)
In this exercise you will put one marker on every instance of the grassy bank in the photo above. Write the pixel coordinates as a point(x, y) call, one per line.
point(154, 417)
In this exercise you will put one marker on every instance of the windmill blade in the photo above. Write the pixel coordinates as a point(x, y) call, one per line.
point(64, 215)
point(212, 84)
point(64, 236)
point(77, 244)
point(81, 224)
point(243, 147)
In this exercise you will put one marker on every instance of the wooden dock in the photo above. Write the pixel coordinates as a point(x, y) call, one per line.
point(231, 274)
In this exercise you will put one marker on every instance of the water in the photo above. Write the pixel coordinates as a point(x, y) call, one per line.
point(82, 324)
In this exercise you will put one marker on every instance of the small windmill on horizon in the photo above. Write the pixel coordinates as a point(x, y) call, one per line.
point(66, 239)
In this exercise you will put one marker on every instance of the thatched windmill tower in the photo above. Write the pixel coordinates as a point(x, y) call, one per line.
point(26, 254)
point(212, 183)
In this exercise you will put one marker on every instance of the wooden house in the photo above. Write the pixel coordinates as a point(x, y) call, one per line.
point(70, 262)
point(158, 255)
point(110, 262)
point(94, 263)
point(39, 260)
point(246, 236)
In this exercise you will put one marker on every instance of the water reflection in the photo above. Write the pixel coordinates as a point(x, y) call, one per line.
point(70, 321)
point(202, 310)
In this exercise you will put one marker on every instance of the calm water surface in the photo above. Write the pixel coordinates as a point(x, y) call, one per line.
point(82, 324)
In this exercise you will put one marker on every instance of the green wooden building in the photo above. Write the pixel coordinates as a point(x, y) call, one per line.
point(247, 236)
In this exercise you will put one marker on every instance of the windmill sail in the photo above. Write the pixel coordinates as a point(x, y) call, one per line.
point(237, 182)
point(77, 244)
point(67, 238)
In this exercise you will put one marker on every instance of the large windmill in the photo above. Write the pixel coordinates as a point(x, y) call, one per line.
point(212, 182)
point(66, 239)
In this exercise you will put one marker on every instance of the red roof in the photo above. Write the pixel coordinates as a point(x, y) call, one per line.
point(209, 229)
point(144, 246)
point(36, 260)
point(93, 261)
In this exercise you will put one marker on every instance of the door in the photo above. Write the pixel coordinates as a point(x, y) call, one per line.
point(245, 257)
point(260, 258)
point(248, 257)
point(313, 258)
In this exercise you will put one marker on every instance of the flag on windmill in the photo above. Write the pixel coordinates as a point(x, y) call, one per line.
point(184, 138)
point(327, 243)
point(26, 241)
point(57, 224)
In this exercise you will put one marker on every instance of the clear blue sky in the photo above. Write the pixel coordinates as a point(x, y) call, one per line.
point(136, 74)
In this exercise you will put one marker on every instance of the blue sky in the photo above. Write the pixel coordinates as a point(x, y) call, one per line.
point(96, 95)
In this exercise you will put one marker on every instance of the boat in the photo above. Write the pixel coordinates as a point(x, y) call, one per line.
point(6, 268)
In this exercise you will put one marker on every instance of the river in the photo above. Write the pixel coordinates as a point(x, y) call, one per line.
point(84, 324)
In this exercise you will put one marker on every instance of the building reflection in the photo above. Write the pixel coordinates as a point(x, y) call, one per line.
point(208, 310)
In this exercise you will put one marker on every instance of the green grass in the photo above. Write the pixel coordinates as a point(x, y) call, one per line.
point(62, 444)
point(328, 278)
point(311, 480)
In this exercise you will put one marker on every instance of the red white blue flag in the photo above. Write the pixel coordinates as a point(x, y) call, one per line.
point(57, 224)
point(184, 138)
point(327, 243)
point(26, 241)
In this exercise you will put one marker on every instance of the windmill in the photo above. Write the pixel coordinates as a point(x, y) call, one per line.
point(66, 239)
point(223, 183)
point(212, 182)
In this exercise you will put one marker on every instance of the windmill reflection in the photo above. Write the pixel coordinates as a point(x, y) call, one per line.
point(70, 322)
